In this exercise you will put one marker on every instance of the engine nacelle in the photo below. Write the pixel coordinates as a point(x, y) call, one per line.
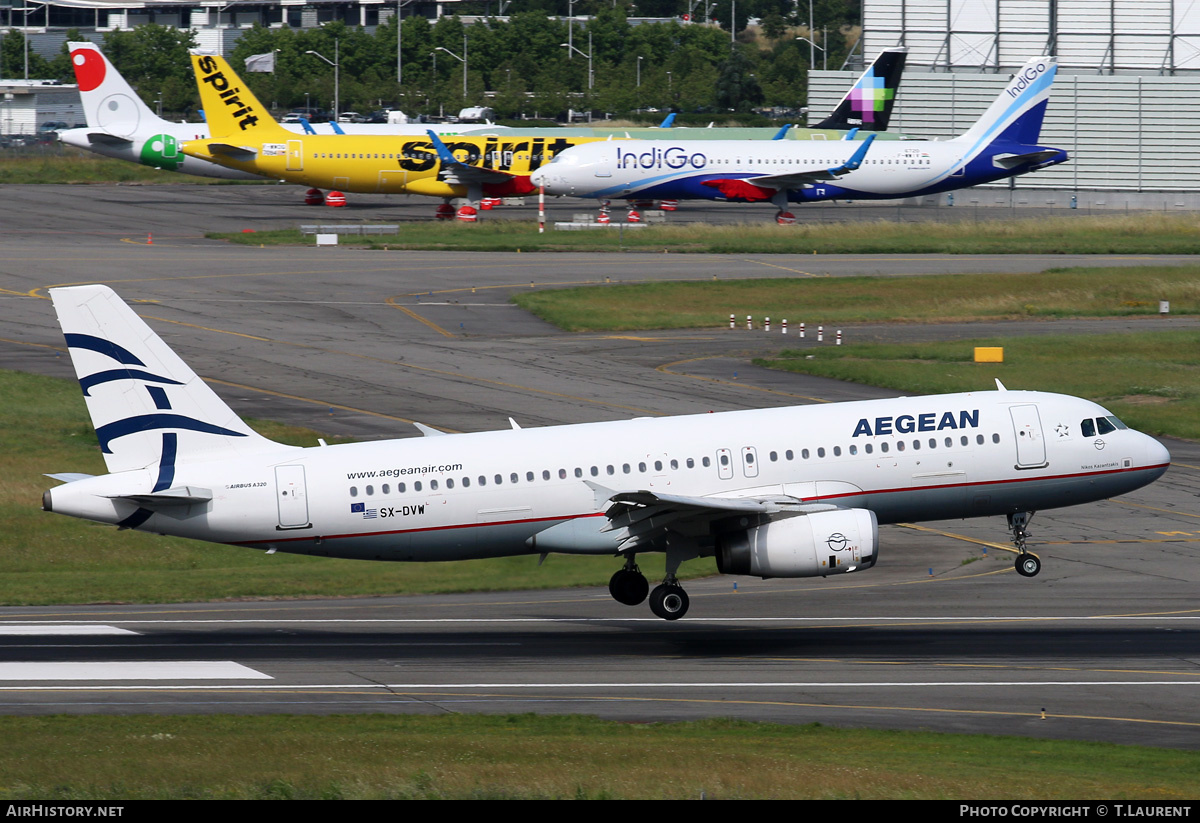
point(810, 545)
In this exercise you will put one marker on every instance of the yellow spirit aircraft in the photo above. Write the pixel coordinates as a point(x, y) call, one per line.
point(244, 136)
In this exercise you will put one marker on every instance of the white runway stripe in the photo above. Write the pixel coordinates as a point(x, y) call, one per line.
point(154, 670)
point(45, 630)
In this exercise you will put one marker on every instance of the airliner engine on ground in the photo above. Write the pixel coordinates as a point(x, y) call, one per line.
point(1002, 143)
point(789, 492)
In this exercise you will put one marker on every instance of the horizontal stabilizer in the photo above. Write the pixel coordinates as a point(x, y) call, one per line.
point(103, 138)
point(1011, 161)
point(178, 496)
point(229, 150)
point(69, 477)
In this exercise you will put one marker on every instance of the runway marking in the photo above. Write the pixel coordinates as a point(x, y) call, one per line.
point(785, 268)
point(714, 684)
point(391, 301)
point(1155, 508)
point(45, 630)
point(156, 670)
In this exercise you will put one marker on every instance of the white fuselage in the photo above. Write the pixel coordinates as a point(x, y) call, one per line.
point(531, 490)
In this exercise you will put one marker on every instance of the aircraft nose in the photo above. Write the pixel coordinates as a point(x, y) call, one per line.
point(1156, 453)
point(538, 178)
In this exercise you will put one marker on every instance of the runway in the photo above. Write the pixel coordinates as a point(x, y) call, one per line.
point(939, 635)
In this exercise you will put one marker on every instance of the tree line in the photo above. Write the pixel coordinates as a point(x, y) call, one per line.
point(519, 61)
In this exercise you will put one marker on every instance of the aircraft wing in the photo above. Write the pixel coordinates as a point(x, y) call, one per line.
point(795, 180)
point(763, 187)
point(644, 516)
point(464, 174)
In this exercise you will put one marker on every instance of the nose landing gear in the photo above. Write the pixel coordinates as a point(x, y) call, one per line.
point(1027, 565)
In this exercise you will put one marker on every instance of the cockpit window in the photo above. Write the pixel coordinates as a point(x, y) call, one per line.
point(1116, 422)
point(1103, 426)
point(1088, 428)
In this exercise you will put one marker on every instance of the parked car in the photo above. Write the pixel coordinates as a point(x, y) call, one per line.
point(351, 117)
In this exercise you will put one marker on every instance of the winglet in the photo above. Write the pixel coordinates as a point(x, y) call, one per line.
point(999, 385)
point(856, 159)
point(336, 128)
point(779, 135)
point(308, 129)
point(850, 135)
point(443, 153)
point(668, 121)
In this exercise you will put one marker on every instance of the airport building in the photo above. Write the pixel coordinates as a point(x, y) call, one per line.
point(1123, 104)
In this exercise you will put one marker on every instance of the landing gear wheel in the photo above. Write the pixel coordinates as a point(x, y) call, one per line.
point(1028, 565)
point(628, 586)
point(669, 602)
point(785, 218)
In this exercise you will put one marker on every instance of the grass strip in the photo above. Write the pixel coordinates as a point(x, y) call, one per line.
point(1142, 233)
point(1150, 380)
point(55, 164)
point(1054, 293)
point(48, 558)
point(379, 756)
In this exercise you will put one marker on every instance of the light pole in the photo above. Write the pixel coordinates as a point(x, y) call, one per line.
point(337, 88)
point(25, 33)
point(591, 79)
point(462, 60)
point(639, 70)
point(811, 56)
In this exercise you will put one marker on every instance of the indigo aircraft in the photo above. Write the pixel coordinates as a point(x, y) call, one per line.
point(1003, 143)
point(784, 492)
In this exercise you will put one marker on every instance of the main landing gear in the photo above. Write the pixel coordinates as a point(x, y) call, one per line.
point(1027, 565)
point(629, 586)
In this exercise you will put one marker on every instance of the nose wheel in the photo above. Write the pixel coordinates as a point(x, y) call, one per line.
point(1028, 565)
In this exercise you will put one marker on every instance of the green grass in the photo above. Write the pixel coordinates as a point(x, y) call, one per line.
point(1149, 380)
point(570, 757)
point(48, 558)
point(1145, 233)
point(1074, 292)
point(63, 164)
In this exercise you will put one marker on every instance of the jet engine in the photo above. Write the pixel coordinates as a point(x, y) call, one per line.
point(807, 545)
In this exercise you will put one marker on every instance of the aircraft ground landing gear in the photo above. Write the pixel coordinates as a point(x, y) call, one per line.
point(628, 585)
point(1027, 565)
point(669, 601)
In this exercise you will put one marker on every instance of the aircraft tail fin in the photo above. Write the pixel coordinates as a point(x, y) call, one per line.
point(1017, 113)
point(229, 106)
point(110, 105)
point(868, 105)
point(147, 406)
